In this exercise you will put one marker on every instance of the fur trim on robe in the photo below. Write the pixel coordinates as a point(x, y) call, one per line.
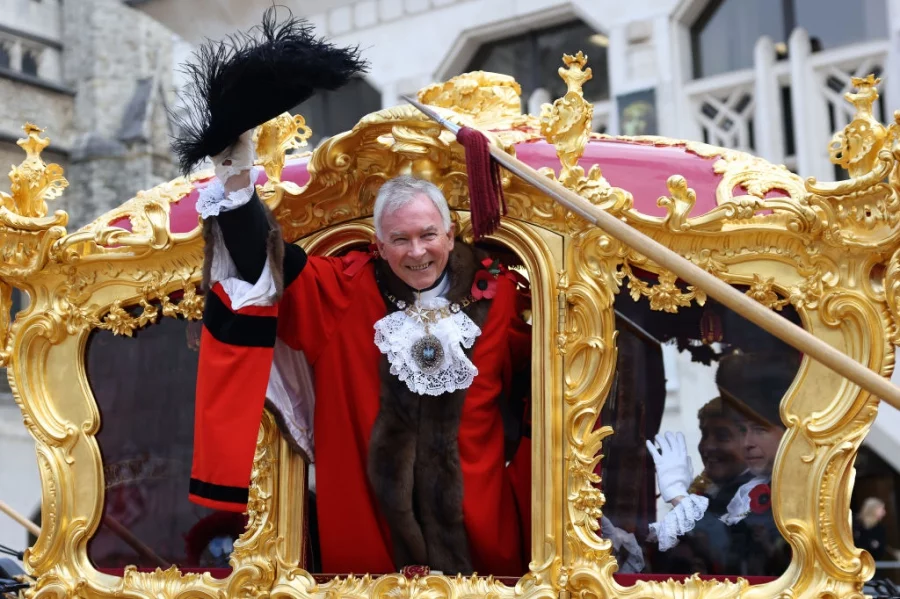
point(413, 460)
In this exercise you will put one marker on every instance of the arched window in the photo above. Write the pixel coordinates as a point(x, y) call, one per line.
point(30, 63)
point(533, 59)
point(724, 35)
point(329, 113)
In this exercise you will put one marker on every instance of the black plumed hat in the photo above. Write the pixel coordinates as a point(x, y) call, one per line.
point(251, 77)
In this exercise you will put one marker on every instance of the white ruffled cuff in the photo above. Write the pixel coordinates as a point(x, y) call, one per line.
point(739, 506)
point(212, 199)
point(679, 521)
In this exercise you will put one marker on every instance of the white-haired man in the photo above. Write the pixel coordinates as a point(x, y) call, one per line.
point(412, 350)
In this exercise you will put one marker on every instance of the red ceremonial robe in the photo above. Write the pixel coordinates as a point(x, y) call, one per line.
point(328, 311)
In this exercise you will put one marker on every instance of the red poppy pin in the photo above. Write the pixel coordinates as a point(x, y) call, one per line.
point(485, 283)
point(760, 499)
point(484, 286)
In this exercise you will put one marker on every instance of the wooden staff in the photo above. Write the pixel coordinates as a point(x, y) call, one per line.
point(724, 293)
point(114, 525)
point(28, 524)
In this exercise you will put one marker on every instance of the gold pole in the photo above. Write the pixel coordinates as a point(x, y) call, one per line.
point(135, 543)
point(724, 293)
point(28, 524)
point(114, 525)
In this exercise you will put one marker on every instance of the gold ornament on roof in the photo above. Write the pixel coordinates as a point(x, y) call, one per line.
point(33, 181)
point(567, 122)
point(855, 149)
point(567, 125)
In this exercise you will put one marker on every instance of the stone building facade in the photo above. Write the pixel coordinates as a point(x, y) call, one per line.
point(103, 80)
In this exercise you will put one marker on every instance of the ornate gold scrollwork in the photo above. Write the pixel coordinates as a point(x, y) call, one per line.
point(864, 211)
point(274, 140)
point(567, 125)
point(28, 233)
point(761, 290)
point(33, 182)
point(485, 97)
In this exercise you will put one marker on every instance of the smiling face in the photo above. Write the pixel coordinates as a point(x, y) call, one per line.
point(416, 244)
point(760, 445)
point(720, 448)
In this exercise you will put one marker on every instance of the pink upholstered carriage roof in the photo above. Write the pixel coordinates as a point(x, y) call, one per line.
point(640, 167)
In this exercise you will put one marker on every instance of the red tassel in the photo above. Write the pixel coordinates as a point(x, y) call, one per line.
point(710, 327)
point(485, 188)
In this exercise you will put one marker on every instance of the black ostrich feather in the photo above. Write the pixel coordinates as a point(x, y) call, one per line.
point(251, 77)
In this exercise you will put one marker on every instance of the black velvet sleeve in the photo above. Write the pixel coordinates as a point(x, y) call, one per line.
point(245, 231)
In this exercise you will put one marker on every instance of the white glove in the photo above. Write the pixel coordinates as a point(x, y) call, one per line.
point(236, 158)
point(674, 472)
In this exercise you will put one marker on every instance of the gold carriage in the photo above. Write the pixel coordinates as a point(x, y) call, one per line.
point(106, 346)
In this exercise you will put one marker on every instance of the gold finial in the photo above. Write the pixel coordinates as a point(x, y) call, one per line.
point(33, 181)
point(567, 122)
point(575, 75)
point(856, 147)
point(866, 95)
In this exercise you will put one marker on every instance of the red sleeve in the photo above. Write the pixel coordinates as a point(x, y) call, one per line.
point(313, 304)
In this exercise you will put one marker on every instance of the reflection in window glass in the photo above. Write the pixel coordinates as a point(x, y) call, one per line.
point(144, 388)
point(534, 58)
point(721, 410)
point(876, 493)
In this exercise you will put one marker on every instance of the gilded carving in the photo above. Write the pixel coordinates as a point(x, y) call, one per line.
point(665, 296)
point(762, 290)
point(856, 148)
point(33, 181)
point(485, 97)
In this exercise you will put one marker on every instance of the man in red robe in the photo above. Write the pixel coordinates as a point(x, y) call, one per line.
point(412, 350)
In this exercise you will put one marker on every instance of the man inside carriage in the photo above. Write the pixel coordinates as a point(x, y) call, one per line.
point(726, 521)
point(412, 347)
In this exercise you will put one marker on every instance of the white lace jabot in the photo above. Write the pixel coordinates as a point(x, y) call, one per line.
point(397, 333)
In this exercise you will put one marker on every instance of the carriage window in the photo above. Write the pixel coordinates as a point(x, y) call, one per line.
point(144, 389)
point(449, 479)
point(715, 380)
